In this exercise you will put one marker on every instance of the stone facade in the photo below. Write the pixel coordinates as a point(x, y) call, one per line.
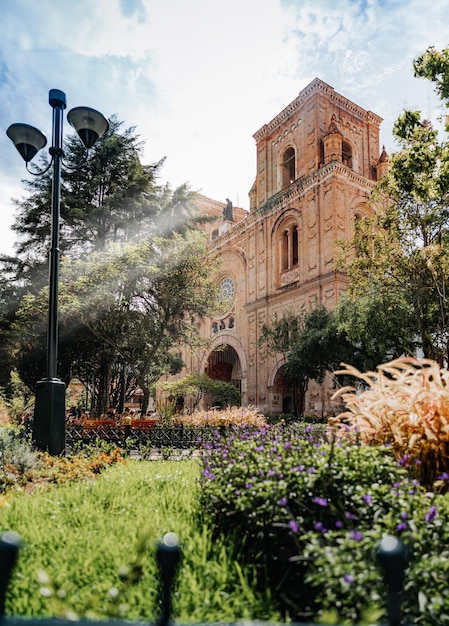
point(317, 162)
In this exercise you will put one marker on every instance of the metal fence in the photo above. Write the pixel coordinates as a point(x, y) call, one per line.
point(134, 437)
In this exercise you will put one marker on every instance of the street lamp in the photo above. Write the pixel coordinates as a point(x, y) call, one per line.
point(49, 408)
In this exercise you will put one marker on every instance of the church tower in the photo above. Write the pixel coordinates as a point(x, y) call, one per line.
point(316, 164)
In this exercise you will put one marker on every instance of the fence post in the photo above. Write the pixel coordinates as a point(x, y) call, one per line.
point(393, 557)
point(9, 549)
point(168, 555)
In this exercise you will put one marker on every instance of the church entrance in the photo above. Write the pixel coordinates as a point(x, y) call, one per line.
point(283, 387)
point(224, 365)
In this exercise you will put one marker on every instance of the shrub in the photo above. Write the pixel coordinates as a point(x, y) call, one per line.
point(343, 567)
point(232, 416)
point(86, 465)
point(308, 515)
point(16, 458)
point(21, 467)
point(406, 404)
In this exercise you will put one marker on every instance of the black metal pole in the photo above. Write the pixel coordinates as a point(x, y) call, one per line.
point(58, 102)
point(49, 411)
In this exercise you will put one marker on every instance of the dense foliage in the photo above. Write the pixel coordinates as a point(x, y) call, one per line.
point(310, 513)
point(403, 248)
point(125, 244)
point(315, 342)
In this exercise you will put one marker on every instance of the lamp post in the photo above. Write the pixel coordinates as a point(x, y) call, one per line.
point(49, 408)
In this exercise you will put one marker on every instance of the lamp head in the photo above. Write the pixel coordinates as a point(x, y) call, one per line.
point(27, 139)
point(88, 123)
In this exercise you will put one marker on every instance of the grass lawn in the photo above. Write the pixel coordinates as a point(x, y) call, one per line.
point(89, 549)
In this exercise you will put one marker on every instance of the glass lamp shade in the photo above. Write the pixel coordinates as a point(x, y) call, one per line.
point(27, 139)
point(88, 123)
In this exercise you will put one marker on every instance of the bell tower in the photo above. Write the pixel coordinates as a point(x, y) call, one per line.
point(320, 126)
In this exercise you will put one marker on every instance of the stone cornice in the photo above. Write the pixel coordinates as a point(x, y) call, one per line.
point(317, 85)
point(279, 294)
point(292, 193)
point(301, 186)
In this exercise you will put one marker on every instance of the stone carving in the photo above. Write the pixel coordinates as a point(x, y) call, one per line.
point(290, 277)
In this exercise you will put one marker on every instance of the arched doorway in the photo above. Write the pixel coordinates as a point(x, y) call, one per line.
point(224, 364)
point(283, 387)
point(226, 361)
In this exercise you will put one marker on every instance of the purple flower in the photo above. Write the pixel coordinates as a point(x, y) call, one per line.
point(339, 524)
point(321, 501)
point(320, 527)
point(444, 476)
point(356, 535)
point(367, 498)
point(348, 578)
point(349, 515)
point(283, 502)
point(293, 525)
point(431, 514)
point(404, 515)
point(402, 526)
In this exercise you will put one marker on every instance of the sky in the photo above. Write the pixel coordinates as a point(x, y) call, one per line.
point(197, 79)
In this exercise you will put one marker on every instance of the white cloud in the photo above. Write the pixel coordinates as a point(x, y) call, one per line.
point(199, 78)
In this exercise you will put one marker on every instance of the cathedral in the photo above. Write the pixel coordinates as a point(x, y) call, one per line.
point(317, 162)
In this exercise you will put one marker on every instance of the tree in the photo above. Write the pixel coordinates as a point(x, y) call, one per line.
point(310, 344)
point(140, 301)
point(364, 332)
point(195, 386)
point(434, 65)
point(376, 326)
point(109, 199)
point(403, 250)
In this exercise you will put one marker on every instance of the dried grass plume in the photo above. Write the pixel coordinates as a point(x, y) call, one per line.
point(405, 404)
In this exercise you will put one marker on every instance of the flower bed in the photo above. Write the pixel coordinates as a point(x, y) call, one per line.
point(308, 514)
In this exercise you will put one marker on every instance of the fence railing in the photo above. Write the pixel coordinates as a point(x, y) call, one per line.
point(391, 553)
point(136, 435)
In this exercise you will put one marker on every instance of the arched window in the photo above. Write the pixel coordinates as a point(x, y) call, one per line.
point(347, 154)
point(295, 245)
point(284, 251)
point(288, 167)
point(289, 247)
point(214, 234)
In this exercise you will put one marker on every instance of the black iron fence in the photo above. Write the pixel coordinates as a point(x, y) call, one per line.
point(134, 436)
